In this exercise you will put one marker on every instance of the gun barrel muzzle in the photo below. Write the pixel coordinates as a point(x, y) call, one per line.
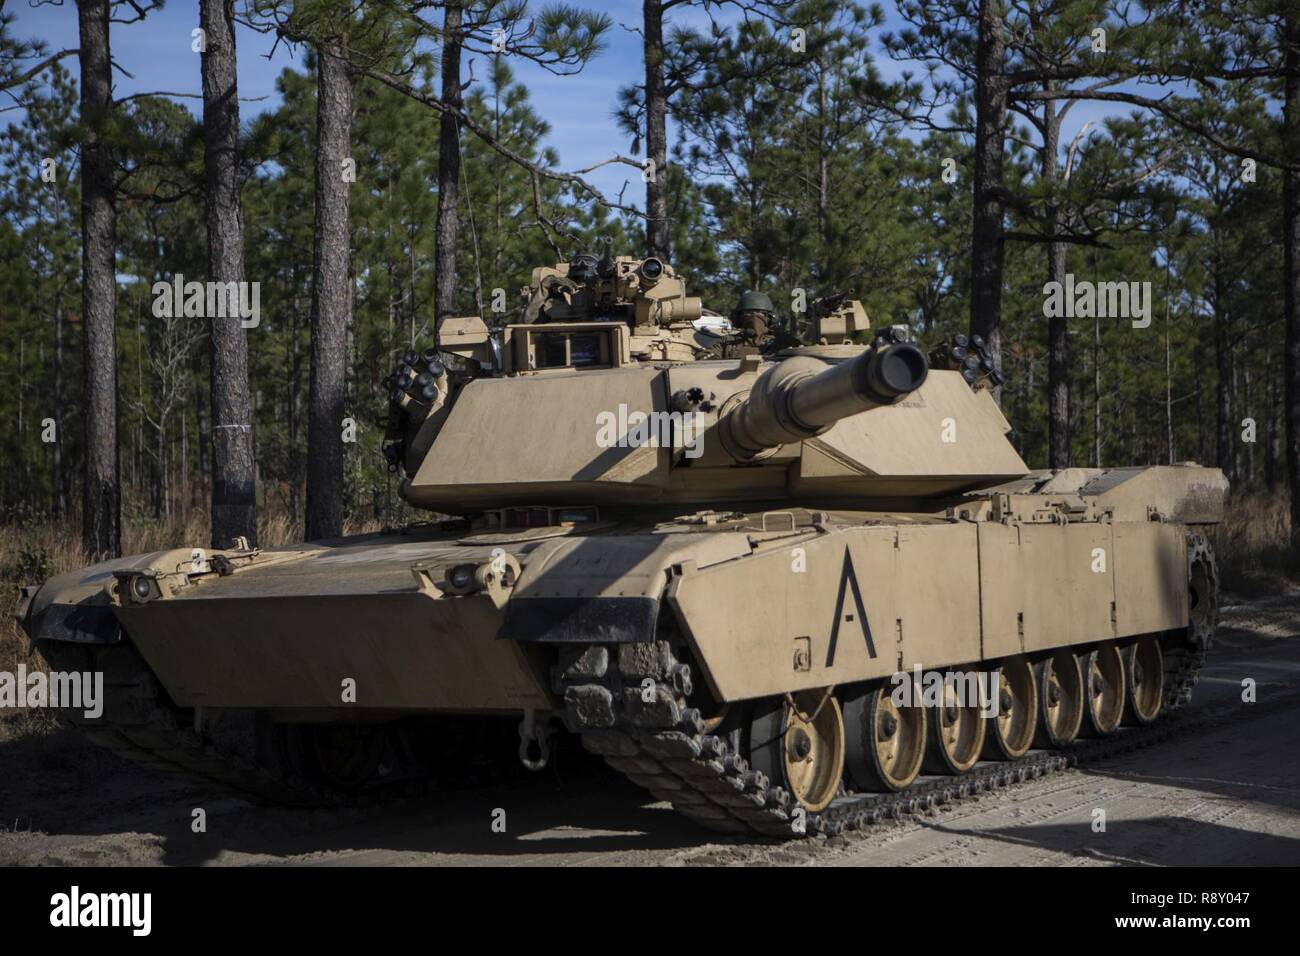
point(801, 398)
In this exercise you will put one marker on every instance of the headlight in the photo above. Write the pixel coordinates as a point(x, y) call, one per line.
point(460, 578)
point(134, 587)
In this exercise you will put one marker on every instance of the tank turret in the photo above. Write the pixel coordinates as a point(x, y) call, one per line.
point(801, 398)
point(605, 392)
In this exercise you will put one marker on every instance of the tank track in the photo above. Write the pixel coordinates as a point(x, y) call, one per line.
point(139, 723)
point(647, 732)
point(1185, 653)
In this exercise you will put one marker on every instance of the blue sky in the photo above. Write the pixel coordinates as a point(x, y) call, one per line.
point(157, 52)
point(579, 108)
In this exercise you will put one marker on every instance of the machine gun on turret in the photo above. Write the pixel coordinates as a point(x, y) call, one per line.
point(605, 287)
point(836, 317)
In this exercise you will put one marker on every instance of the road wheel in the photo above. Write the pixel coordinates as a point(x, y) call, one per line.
point(1144, 672)
point(1060, 699)
point(956, 734)
point(1010, 732)
point(798, 742)
point(341, 757)
point(1103, 681)
point(885, 742)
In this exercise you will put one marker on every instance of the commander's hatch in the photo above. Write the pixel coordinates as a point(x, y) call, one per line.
point(553, 346)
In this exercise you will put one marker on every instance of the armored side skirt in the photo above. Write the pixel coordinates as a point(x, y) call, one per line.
point(867, 602)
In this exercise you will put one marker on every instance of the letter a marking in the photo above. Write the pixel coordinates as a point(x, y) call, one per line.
point(848, 578)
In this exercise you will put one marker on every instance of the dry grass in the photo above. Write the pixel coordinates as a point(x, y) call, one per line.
point(28, 555)
point(34, 551)
point(1253, 545)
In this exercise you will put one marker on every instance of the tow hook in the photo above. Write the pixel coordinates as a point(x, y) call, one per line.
point(534, 732)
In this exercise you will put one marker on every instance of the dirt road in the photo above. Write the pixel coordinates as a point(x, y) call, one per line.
point(1224, 792)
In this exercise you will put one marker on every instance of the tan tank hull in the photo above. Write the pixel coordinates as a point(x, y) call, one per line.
point(853, 595)
point(736, 610)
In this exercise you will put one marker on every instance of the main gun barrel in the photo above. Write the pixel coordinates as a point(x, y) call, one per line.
point(801, 397)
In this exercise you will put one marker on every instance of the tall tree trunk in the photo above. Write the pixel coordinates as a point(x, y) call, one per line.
point(234, 506)
point(656, 131)
point(26, 476)
point(1058, 340)
point(202, 412)
point(1273, 454)
point(986, 227)
point(448, 225)
point(1096, 392)
point(823, 167)
point(331, 298)
point(1200, 423)
point(137, 459)
point(101, 530)
point(58, 474)
point(295, 409)
point(1246, 470)
point(1169, 381)
point(1291, 269)
point(1225, 435)
point(156, 483)
point(183, 499)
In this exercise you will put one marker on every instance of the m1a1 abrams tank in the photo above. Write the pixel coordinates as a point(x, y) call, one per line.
point(714, 571)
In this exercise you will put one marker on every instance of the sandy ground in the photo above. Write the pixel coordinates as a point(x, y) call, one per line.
point(1226, 792)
